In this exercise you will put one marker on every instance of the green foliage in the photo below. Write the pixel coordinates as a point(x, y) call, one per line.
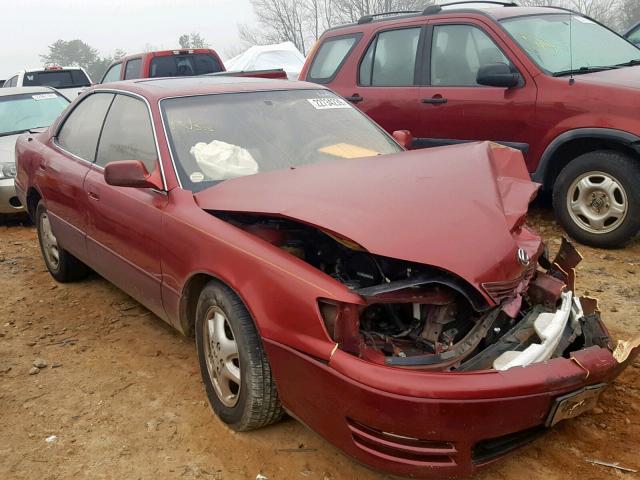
point(68, 53)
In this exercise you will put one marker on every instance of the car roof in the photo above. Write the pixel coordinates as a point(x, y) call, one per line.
point(158, 88)
point(6, 92)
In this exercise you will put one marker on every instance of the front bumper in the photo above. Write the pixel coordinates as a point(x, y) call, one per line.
point(9, 202)
point(430, 425)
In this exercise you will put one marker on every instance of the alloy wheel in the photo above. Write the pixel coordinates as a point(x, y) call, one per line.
point(222, 358)
point(49, 242)
point(597, 202)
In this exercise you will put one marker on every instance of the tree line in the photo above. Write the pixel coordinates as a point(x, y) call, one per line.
point(80, 54)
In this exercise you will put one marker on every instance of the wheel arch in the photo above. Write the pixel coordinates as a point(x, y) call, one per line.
point(33, 197)
point(573, 143)
point(191, 293)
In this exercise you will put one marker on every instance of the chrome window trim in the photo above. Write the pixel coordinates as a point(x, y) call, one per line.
point(116, 91)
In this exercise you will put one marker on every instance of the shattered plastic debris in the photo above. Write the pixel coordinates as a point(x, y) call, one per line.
point(51, 438)
point(624, 347)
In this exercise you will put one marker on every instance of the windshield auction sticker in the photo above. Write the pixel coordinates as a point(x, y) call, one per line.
point(328, 103)
point(44, 96)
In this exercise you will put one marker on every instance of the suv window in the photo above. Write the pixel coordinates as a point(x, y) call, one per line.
point(184, 65)
point(132, 70)
point(56, 79)
point(458, 51)
point(127, 134)
point(390, 60)
point(80, 131)
point(330, 57)
point(113, 74)
point(12, 82)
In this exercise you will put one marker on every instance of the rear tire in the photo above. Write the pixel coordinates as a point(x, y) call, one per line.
point(596, 198)
point(63, 266)
point(234, 367)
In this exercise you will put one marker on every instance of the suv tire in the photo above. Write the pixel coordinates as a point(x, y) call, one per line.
point(596, 198)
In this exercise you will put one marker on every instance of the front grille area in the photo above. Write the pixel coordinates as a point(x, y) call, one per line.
point(397, 448)
point(489, 449)
point(506, 289)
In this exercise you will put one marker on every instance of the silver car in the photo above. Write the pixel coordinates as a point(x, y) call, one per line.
point(22, 109)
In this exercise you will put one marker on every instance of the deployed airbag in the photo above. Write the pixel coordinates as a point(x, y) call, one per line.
point(221, 161)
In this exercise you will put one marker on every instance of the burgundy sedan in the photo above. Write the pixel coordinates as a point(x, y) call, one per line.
point(395, 302)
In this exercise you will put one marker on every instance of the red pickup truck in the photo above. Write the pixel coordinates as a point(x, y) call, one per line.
point(177, 63)
point(510, 74)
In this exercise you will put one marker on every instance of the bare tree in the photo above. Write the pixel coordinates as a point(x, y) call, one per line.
point(629, 13)
point(604, 11)
point(302, 22)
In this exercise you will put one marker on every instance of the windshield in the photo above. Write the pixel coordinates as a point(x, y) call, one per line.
point(19, 113)
point(56, 79)
point(546, 39)
point(184, 65)
point(217, 137)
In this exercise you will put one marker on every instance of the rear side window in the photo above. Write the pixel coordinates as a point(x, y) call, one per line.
point(458, 52)
point(80, 131)
point(390, 60)
point(56, 79)
point(113, 74)
point(127, 134)
point(184, 65)
point(330, 57)
point(132, 70)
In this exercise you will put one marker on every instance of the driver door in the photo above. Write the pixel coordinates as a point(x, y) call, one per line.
point(455, 108)
point(124, 223)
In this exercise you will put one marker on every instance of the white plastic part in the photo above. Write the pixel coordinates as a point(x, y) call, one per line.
point(221, 161)
point(549, 328)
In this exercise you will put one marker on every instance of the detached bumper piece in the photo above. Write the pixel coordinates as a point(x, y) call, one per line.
point(549, 327)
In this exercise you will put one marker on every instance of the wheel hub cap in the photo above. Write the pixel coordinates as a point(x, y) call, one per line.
point(49, 242)
point(597, 202)
point(221, 351)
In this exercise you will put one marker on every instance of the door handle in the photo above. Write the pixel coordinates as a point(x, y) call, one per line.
point(41, 166)
point(355, 98)
point(93, 195)
point(436, 100)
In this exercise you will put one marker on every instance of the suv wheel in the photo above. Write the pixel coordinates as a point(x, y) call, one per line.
point(234, 367)
point(63, 266)
point(596, 198)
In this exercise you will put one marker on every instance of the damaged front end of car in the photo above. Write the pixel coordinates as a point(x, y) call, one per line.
point(429, 322)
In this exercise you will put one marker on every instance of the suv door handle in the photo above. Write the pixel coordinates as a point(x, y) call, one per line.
point(93, 195)
point(355, 98)
point(436, 100)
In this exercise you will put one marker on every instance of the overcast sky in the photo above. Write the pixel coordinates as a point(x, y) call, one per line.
point(27, 27)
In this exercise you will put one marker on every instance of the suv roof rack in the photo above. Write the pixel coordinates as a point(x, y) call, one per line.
point(431, 9)
point(369, 17)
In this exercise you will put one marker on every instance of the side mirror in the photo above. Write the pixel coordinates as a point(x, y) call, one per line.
point(498, 75)
point(404, 138)
point(129, 173)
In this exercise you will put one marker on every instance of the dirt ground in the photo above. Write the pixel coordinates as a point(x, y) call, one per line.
point(121, 391)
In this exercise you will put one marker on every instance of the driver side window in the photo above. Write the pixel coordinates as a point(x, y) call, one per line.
point(458, 51)
point(127, 134)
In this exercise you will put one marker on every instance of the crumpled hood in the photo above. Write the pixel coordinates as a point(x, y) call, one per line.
point(8, 148)
point(451, 207)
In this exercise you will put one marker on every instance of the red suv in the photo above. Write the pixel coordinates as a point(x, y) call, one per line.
point(550, 82)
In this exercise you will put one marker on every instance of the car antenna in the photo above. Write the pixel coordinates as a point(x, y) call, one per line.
point(571, 79)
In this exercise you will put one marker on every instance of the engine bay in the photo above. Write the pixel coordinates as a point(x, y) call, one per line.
point(420, 317)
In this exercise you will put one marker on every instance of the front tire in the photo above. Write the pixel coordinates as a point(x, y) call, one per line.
point(234, 367)
point(63, 266)
point(596, 198)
